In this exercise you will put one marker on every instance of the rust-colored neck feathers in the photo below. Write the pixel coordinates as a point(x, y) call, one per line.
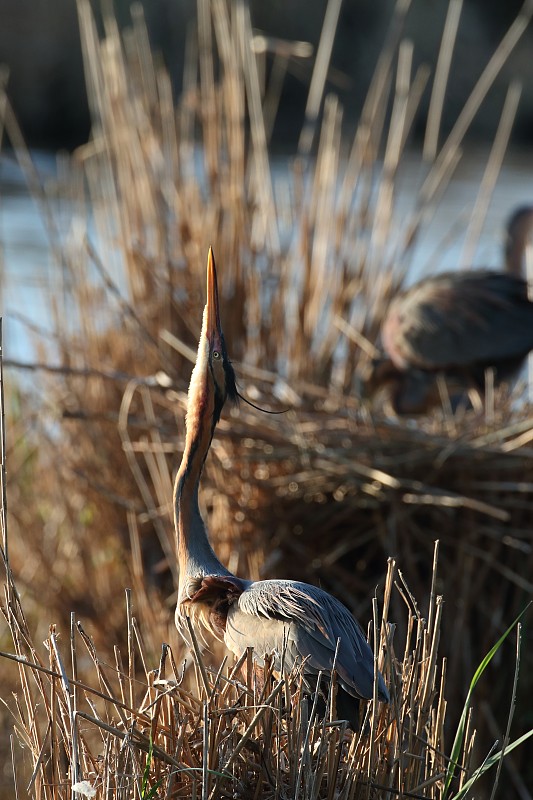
point(195, 555)
point(208, 389)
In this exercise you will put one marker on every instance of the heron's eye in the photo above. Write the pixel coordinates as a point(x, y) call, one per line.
point(216, 354)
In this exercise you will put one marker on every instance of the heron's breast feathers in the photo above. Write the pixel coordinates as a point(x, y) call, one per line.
point(207, 599)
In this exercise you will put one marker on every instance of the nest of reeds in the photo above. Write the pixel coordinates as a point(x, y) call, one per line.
point(308, 257)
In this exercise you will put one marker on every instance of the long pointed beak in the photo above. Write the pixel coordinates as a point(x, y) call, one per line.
point(213, 313)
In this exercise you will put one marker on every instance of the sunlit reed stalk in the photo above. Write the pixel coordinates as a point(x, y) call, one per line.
point(440, 82)
point(492, 170)
point(318, 80)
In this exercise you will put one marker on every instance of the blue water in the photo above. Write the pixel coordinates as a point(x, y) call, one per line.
point(30, 276)
point(441, 244)
point(25, 258)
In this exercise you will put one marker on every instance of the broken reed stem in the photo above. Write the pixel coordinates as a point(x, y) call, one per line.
point(374, 708)
point(68, 699)
point(432, 593)
point(73, 702)
point(131, 650)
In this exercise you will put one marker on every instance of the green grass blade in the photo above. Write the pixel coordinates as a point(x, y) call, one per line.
point(490, 762)
point(153, 791)
point(146, 773)
point(458, 741)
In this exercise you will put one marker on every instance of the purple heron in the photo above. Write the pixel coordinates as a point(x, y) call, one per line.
point(285, 619)
point(457, 324)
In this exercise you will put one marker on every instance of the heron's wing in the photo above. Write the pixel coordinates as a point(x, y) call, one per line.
point(299, 621)
point(459, 319)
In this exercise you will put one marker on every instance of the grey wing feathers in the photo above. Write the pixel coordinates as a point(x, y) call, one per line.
point(301, 621)
point(458, 319)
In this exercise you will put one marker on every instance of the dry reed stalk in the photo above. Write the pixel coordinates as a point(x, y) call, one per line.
point(492, 170)
point(318, 80)
point(440, 82)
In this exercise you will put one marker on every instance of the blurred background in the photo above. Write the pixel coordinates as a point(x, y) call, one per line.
point(121, 162)
point(40, 45)
point(41, 54)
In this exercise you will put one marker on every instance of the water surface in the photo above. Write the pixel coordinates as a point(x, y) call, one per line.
point(30, 274)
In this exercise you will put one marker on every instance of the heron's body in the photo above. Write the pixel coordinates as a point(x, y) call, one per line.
point(294, 622)
point(290, 621)
point(462, 321)
point(458, 324)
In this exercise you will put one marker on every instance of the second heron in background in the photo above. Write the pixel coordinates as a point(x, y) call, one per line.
point(459, 325)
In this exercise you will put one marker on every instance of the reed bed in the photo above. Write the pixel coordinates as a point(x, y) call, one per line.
point(97, 729)
point(309, 256)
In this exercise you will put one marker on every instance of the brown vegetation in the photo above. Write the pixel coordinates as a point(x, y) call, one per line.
point(307, 259)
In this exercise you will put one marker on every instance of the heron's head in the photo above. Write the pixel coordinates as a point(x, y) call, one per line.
point(519, 228)
point(222, 371)
point(213, 378)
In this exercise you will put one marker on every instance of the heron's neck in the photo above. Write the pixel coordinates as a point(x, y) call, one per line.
point(515, 251)
point(195, 554)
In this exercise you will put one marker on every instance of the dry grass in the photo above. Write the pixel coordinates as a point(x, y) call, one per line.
point(308, 258)
point(127, 728)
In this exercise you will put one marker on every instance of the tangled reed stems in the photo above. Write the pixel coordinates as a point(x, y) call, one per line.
point(177, 732)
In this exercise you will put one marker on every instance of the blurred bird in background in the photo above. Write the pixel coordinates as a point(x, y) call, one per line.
point(457, 325)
